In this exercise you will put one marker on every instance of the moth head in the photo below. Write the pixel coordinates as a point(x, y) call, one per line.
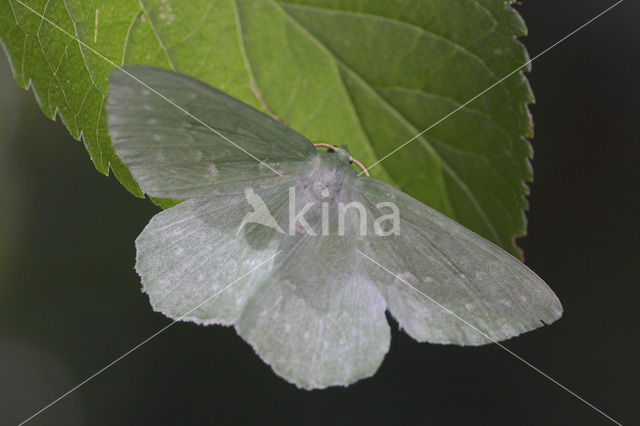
point(325, 181)
point(326, 185)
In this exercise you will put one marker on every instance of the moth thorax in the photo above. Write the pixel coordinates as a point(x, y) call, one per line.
point(326, 184)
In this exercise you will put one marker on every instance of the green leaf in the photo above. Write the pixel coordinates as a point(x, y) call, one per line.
point(371, 74)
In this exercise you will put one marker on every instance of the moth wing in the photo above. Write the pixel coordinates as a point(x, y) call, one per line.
point(197, 249)
point(315, 348)
point(190, 137)
point(318, 320)
point(461, 271)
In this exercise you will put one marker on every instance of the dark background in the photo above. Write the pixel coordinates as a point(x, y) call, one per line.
point(70, 301)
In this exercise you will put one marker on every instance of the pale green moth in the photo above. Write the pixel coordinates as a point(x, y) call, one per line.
point(312, 306)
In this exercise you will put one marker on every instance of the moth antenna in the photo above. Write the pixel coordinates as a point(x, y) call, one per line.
point(362, 167)
point(353, 160)
point(327, 145)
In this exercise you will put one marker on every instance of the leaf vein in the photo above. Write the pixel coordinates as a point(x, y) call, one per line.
point(157, 35)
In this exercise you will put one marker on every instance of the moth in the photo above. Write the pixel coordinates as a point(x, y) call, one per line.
point(293, 247)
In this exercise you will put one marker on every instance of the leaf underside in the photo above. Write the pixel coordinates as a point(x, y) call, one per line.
point(371, 74)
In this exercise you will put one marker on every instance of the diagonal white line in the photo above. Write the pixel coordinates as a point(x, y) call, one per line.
point(148, 87)
point(493, 341)
point(143, 342)
point(494, 85)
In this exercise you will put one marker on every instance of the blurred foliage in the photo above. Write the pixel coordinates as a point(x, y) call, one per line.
point(10, 198)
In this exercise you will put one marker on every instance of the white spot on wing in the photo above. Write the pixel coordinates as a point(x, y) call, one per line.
point(407, 277)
